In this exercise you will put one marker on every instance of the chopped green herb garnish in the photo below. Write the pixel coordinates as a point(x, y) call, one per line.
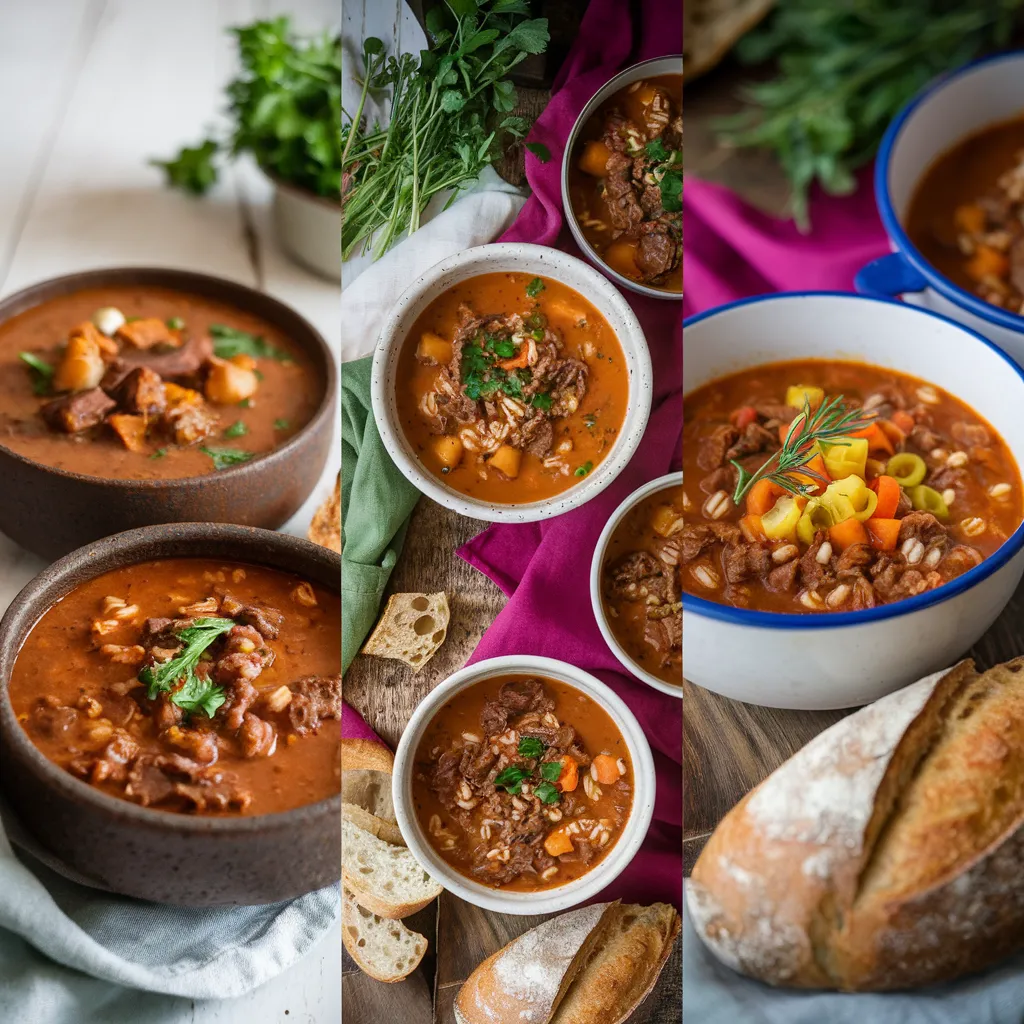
point(511, 779)
point(42, 372)
point(535, 287)
point(656, 150)
point(540, 151)
point(541, 401)
point(245, 403)
point(551, 770)
point(584, 469)
point(281, 424)
point(546, 793)
point(538, 334)
point(258, 374)
point(504, 349)
point(531, 746)
point(175, 323)
point(672, 192)
point(159, 453)
point(223, 458)
point(237, 429)
point(178, 677)
point(228, 342)
point(590, 421)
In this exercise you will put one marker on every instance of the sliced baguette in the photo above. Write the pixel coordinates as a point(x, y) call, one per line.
point(370, 790)
point(387, 831)
point(384, 879)
point(411, 629)
point(385, 950)
point(358, 754)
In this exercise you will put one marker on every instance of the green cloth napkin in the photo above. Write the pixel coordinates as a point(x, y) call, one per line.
point(376, 502)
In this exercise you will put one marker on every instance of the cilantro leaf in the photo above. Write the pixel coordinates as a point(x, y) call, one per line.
point(672, 192)
point(42, 372)
point(541, 400)
point(535, 287)
point(511, 779)
point(540, 151)
point(546, 793)
point(224, 458)
point(237, 429)
point(505, 348)
point(194, 169)
point(175, 323)
point(229, 341)
point(281, 424)
point(551, 771)
point(530, 746)
point(656, 150)
point(159, 453)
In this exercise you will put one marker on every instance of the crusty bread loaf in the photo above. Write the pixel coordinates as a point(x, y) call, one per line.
point(370, 790)
point(383, 829)
point(325, 529)
point(369, 754)
point(411, 629)
point(887, 853)
point(383, 949)
point(384, 879)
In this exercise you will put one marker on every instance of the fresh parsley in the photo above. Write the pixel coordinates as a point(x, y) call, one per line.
point(546, 792)
point(540, 151)
point(42, 372)
point(159, 453)
point(224, 458)
point(551, 771)
point(671, 188)
point(511, 779)
point(541, 400)
point(281, 424)
point(531, 746)
point(175, 323)
point(535, 287)
point(656, 150)
point(229, 341)
point(245, 403)
point(237, 429)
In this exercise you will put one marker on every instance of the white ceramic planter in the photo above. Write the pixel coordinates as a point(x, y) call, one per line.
point(548, 901)
point(536, 260)
point(597, 564)
point(843, 659)
point(309, 229)
point(954, 107)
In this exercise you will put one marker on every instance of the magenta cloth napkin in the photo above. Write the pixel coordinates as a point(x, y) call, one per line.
point(545, 567)
point(354, 727)
point(734, 251)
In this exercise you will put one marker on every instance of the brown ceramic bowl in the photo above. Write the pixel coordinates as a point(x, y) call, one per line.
point(52, 511)
point(150, 854)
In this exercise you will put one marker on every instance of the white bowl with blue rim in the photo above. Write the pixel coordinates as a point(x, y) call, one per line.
point(818, 661)
point(952, 108)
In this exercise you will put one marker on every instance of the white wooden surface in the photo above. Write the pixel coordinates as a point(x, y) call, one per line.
point(89, 90)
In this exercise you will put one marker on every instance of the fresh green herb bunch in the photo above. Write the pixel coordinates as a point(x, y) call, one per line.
point(844, 70)
point(447, 110)
point(286, 111)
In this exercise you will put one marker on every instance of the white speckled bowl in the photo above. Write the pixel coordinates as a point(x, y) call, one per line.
point(541, 261)
point(597, 565)
point(547, 901)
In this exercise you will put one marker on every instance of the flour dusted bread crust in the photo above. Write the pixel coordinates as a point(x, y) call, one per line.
point(357, 754)
point(888, 853)
point(411, 629)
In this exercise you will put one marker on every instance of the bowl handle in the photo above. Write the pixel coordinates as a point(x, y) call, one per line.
point(888, 277)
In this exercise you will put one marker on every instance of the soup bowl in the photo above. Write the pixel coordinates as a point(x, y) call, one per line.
point(117, 845)
point(842, 659)
point(52, 511)
point(954, 107)
point(546, 901)
point(629, 663)
point(534, 260)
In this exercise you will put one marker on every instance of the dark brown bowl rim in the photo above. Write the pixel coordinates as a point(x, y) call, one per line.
point(208, 286)
point(122, 547)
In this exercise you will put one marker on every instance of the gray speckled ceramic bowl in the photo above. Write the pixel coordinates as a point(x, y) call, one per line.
point(512, 257)
point(158, 855)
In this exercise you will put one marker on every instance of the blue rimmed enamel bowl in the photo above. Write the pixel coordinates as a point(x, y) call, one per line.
point(952, 108)
point(818, 661)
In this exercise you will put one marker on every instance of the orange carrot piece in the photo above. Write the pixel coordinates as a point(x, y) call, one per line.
point(888, 491)
point(987, 262)
point(903, 420)
point(569, 778)
point(884, 533)
point(847, 533)
point(817, 465)
point(761, 497)
point(970, 218)
point(752, 528)
point(877, 439)
point(556, 843)
point(743, 416)
point(605, 768)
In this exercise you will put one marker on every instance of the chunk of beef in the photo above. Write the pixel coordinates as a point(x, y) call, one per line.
point(782, 579)
point(314, 699)
point(925, 439)
point(923, 526)
point(257, 737)
point(698, 536)
point(722, 479)
point(536, 436)
point(266, 620)
point(141, 392)
point(242, 659)
point(656, 250)
point(904, 506)
point(200, 745)
point(522, 695)
point(743, 560)
point(886, 395)
point(178, 781)
point(863, 594)
point(812, 572)
point(664, 635)
point(854, 560)
point(567, 386)
point(754, 440)
point(493, 718)
point(476, 764)
point(969, 435)
point(712, 447)
point(1016, 255)
point(640, 576)
point(774, 412)
point(181, 364)
point(624, 207)
point(74, 413)
point(111, 764)
point(948, 476)
point(52, 717)
point(958, 560)
point(650, 203)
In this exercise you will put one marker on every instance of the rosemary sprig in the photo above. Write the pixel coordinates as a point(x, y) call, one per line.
point(829, 422)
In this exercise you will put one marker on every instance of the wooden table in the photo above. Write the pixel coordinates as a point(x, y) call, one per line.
point(729, 747)
point(92, 89)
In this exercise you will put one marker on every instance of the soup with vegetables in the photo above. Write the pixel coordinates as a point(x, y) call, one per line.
point(522, 783)
point(141, 382)
point(819, 486)
point(511, 388)
point(189, 685)
point(967, 215)
point(626, 182)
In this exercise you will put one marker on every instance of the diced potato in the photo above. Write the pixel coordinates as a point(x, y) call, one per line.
point(621, 256)
point(594, 159)
point(970, 218)
point(229, 384)
point(646, 93)
point(799, 393)
point(666, 521)
point(246, 362)
point(81, 367)
point(507, 460)
point(564, 311)
point(130, 429)
point(177, 395)
point(87, 329)
point(448, 450)
point(432, 348)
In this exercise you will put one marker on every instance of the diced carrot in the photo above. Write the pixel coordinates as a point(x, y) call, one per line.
point(895, 434)
point(903, 420)
point(606, 769)
point(520, 360)
point(987, 262)
point(877, 439)
point(556, 843)
point(970, 218)
point(884, 533)
point(816, 465)
point(570, 776)
point(784, 431)
point(743, 416)
point(847, 533)
point(761, 497)
point(752, 528)
point(888, 491)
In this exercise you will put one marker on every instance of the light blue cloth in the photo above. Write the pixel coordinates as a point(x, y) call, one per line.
point(715, 994)
point(70, 954)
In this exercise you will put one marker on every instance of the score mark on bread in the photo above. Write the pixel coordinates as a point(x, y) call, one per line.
point(412, 629)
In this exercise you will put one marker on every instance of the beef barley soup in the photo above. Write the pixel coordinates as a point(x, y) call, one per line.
point(189, 685)
point(511, 388)
point(522, 783)
point(818, 486)
point(142, 382)
point(641, 585)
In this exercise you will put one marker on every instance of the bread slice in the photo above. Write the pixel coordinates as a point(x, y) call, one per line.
point(384, 879)
point(632, 946)
point(358, 753)
point(370, 790)
point(712, 27)
point(385, 950)
point(411, 629)
point(388, 831)
point(524, 982)
point(325, 529)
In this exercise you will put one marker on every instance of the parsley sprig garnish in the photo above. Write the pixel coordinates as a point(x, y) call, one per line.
point(42, 372)
point(229, 341)
point(225, 458)
point(511, 779)
point(481, 375)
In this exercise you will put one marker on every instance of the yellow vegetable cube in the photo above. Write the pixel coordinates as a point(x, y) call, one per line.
point(799, 393)
point(666, 521)
point(448, 450)
point(846, 456)
point(507, 460)
point(432, 348)
point(595, 157)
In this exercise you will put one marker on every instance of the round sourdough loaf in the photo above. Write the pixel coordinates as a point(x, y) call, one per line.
point(888, 853)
